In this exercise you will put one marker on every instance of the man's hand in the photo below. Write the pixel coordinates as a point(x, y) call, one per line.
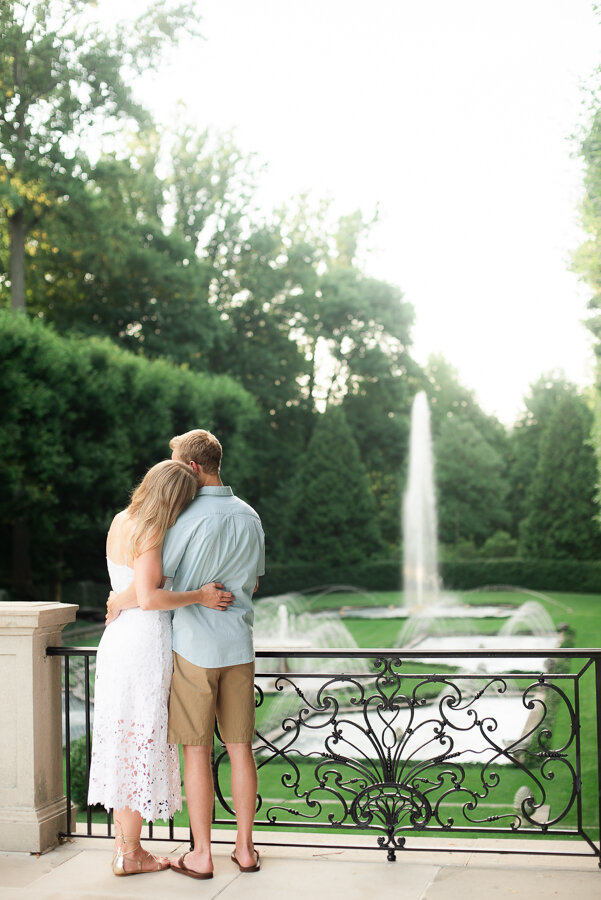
point(215, 596)
point(112, 611)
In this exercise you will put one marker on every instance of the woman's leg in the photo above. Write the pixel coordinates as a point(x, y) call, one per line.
point(128, 851)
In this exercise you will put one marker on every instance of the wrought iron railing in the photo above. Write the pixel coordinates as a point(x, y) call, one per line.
point(374, 742)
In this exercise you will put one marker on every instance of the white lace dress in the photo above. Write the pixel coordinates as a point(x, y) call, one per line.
point(132, 763)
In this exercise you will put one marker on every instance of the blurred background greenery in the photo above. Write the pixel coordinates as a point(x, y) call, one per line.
point(145, 293)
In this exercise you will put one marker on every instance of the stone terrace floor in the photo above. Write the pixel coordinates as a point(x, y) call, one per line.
point(80, 869)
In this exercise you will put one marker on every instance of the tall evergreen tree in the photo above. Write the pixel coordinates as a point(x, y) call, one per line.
point(560, 523)
point(525, 439)
point(471, 485)
point(333, 514)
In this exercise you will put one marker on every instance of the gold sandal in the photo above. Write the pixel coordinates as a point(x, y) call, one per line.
point(118, 861)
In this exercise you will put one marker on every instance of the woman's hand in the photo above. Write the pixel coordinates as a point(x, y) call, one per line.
point(214, 596)
point(112, 610)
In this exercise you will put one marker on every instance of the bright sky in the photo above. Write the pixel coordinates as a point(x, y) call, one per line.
point(455, 118)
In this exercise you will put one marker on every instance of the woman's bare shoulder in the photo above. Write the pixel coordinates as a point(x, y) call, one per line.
point(119, 521)
point(118, 536)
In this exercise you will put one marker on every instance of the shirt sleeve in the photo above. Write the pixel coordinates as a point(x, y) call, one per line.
point(261, 561)
point(174, 547)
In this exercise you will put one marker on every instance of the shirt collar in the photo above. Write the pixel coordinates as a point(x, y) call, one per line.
point(215, 490)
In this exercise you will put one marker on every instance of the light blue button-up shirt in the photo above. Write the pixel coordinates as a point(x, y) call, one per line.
point(217, 538)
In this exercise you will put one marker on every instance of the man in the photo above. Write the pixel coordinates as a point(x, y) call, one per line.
point(218, 538)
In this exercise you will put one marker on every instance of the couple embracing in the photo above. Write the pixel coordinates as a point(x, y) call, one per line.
point(184, 560)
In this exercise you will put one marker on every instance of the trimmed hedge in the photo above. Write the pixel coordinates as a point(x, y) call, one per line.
point(583, 577)
point(281, 578)
point(574, 576)
point(80, 422)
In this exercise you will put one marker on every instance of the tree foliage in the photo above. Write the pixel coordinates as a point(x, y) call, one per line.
point(561, 511)
point(332, 514)
point(450, 399)
point(471, 485)
point(109, 267)
point(59, 75)
point(249, 322)
point(82, 420)
point(470, 449)
point(587, 259)
point(525, 439)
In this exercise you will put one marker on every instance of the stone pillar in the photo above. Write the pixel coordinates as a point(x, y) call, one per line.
point(32, 804)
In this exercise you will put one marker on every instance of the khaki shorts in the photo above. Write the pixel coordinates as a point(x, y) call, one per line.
point(198, 695)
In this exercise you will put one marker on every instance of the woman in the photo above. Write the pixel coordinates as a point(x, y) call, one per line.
point(134, 770)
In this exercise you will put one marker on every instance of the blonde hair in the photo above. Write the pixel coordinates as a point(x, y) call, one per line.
point(199, 446)
point(161, 496)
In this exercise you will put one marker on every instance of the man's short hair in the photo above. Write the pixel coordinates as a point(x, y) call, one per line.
point(199, 446)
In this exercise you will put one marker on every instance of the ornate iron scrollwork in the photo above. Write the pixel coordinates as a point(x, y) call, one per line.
point(400, 753)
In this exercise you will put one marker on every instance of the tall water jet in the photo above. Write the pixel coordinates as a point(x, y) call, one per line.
point(421, 586)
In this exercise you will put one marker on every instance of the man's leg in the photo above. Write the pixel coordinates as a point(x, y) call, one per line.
point(198, 783)
point(244, 793)
point(191, 723)
point(236, 717)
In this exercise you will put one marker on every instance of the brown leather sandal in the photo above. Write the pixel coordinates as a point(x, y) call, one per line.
point(254, 868)
point(180, 866)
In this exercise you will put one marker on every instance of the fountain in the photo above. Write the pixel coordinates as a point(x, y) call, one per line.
point(421, 584)
point(530, 618)
point(429, 627)
point(296, 628)
point(434, 620)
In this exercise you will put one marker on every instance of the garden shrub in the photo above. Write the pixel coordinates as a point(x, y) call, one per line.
point(79, 783)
